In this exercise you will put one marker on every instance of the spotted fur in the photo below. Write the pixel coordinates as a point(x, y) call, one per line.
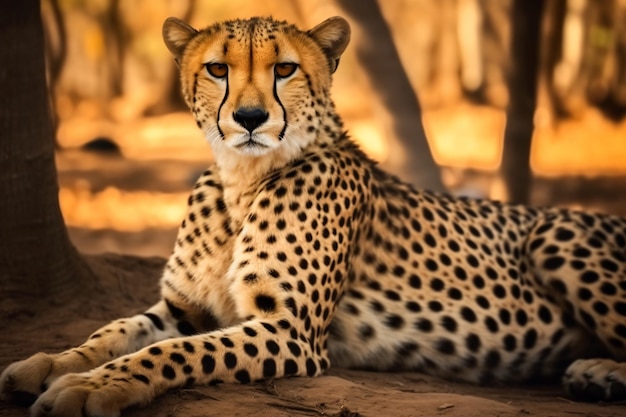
point(297, 252)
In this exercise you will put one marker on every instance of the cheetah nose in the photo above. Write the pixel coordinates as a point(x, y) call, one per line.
point(250, 117)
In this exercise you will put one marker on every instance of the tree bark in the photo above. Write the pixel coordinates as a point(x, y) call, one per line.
point(379, 56)
point(38, 263)
point(522, 83)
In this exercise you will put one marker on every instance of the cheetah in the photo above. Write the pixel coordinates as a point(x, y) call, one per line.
point(298, 252)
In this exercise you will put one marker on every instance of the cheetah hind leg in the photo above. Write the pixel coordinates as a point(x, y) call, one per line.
point(596, 380)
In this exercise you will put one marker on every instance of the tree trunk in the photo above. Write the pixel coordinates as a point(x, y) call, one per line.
point(38, 263)
point(379, 56)
point(522, 83)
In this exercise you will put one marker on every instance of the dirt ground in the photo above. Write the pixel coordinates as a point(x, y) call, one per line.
point(127, 285)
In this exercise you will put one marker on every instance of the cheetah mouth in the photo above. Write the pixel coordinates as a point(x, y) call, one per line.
point(250, 143)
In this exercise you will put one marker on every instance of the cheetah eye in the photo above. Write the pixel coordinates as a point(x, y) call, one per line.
point(216, 69)
point(285, 69)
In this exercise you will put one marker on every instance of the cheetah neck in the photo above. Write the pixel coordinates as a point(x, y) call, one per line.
point(241, 172)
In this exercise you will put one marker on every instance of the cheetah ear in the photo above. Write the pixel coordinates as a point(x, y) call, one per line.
point(177, 35)
point(332, 35)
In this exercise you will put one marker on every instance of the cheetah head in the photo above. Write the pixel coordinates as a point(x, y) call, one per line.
point(257, 87)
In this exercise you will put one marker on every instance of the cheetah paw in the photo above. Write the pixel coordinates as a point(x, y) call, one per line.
point(596, 380)
point(88, 395)
point(21, 382)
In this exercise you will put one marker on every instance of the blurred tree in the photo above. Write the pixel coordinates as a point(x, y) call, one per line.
point(549, 97)
point(522, 84)
point(55, 40)
point(378, 55)
point(36, 255)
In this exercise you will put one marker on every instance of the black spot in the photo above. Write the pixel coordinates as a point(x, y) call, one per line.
point(366, 332)
point(141, 378)
point(594, 243)
point(530, 339)
point(478, 281)
point(455, 294)
point(177, 358)
point(430, 240)
point(608, 288)
point(392, 295)
point(436, 284)
point(269, 368)
point(230, 360)
point(483, 302)
point(209, 346)
point(250, 349)
point(562, 234)
point(491, 324)
point(147, 364)
point(449, 324)
point(589, 277)
point(435, 306)
point(445, 346)
point(544, 228)
point(272, 347)
point(620, 308)
point(609, 265)
point(188, 347)
point(509, 342)
point(545, 315)
point(394, 321)
point(413, 306)
point(472, 260)
point(431, 265)
point(600, 308)
point(581, 252)
point(424, 325)
point(521, 317)
point(294, 349)
point(505, 316)
point(156, 320)
point(553, 263)
point(249, 331)
point(252, 277)
point(499, 291)
point(168, 372)
point(227, 342)
point(377, 306)
point(155, 351)
point(415, 282)
point(291, 367)
point(311, 367)
point(242, 376)
point(468, 314)
point(265, 302)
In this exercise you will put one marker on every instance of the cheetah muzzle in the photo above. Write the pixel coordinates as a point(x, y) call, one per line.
point(297, 251)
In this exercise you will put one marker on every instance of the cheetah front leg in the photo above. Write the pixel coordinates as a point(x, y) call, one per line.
point(23, 381)
point(249, 352)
